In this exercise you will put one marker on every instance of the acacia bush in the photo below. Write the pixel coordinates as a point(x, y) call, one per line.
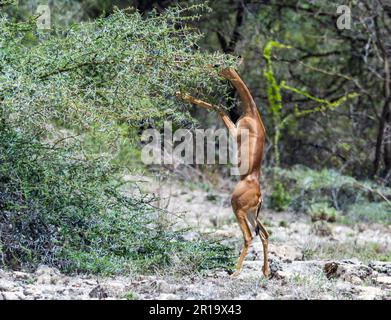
point(61, 198)
point(63, 210)
point(120, 69)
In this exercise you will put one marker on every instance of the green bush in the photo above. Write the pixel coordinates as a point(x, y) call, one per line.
point(72, 103)
point(322, 211)
point(369, 212)
point(60, 208)
point(122, 69)
point(325, 193)
point(280, 198)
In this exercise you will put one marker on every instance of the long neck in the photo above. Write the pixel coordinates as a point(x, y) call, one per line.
point(248, 103)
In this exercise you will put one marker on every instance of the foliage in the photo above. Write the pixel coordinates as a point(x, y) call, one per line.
point(280, 116)
point(130, 295)
point(324, 105)
point(64, 210)
point(321, 228)
point(368, 252)
point(71, 104)
point(326, 192)
point(369, 212)
point(279, 198)
point(327, 63)
point(322, 211)
point(274, 94)
point(119, 69)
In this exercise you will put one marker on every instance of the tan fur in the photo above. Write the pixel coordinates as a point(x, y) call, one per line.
point(246, 198)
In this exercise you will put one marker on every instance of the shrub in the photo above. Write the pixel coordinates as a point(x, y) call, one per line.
point(369, 212)
point(280, 198)
point(63, 209)
point(325, 193)
point(122, 69)
point(322, 211)
point(65, 98)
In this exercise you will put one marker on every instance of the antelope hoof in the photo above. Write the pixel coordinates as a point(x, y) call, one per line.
point(266, 272)
point(236, 273)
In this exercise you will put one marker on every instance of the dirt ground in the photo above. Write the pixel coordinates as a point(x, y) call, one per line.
point(307, 260)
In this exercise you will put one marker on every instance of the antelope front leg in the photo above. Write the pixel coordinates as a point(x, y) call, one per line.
point(188, 98)
point(241, 216)
point(228, 123)
point(206, 105)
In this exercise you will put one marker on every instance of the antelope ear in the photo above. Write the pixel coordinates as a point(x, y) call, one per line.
point(240, 60)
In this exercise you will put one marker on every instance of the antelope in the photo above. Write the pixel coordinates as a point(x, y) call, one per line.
point(246, 198)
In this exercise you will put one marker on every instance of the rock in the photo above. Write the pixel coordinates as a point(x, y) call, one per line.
point(286, 252)
point(21, 275)
point(12, 295)
point(114, 288)
point(43, 269)
point(163, 286)
point(98, 293)
point(263, 296)
point(47, 275)
point(326, 297)
point(355, 280)
point(6, 285)
point(31, 291)
point(321, 228)
point(369, 293)
point(190, 236)
point(343, 287)
point(274, 266)
point(362, 227)
point(48, 290)
point(45, 279)
point(253, 265)
point(88, 282)
point(381, 267)
point(167, 296)
point(3, 274)
point(283, 275)
point(384, 280)
point(347, 270)
point(166, 287)
point(241, 297)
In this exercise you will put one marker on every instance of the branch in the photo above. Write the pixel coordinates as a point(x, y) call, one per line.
point(235, 33)
point(235, 37)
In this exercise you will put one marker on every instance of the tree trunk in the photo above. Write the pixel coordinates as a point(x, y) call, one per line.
point(387, 143)
point(385, 119)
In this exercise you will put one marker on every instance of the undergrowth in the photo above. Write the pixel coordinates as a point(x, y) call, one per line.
point(65, 210)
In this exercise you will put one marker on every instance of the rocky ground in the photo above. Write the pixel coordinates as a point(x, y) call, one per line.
point(308, 260)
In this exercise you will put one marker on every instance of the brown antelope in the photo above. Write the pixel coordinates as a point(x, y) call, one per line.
point(246, 199)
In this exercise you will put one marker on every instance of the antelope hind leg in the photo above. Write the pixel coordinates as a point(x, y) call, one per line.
point(241, 216)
